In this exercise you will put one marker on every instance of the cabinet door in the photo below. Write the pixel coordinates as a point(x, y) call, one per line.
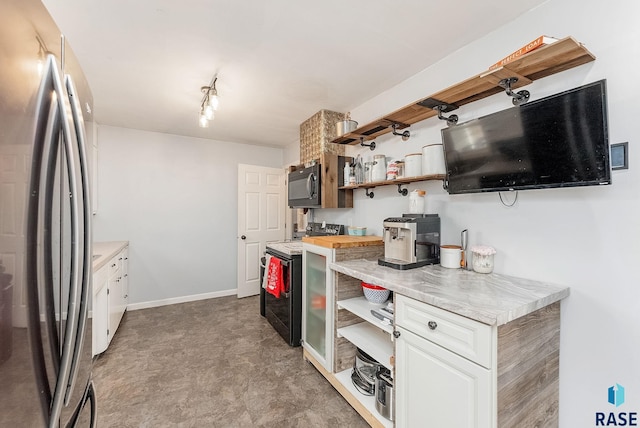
point(437, 388)
point(100, 312)
point(114, 305)
point(317, 303)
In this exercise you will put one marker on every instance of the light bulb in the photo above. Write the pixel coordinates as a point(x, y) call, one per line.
point(204, 122)
point(208, 112)
point(214, 101)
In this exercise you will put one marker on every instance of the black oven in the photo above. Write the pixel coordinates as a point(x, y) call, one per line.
point(285, 312)
point(304, 187)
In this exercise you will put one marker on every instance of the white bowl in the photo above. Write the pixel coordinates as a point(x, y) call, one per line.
point(375, 295)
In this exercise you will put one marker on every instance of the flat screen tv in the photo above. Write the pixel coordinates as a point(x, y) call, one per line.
point(558, 141)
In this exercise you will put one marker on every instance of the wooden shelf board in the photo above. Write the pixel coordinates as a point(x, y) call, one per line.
point(362, 308)
point(403, 180)
point(542, 62)
point(369, 403)
point(362, 404)
point(371, 340)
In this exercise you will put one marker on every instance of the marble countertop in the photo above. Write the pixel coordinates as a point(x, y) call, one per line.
point(292, 248)
point(488, 298)
point(104, 251)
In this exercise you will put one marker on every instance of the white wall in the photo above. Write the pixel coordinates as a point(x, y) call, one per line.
point(175, 199)
point(585, 238)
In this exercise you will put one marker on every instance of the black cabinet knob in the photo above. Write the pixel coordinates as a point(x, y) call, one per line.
point(243, 237)
point(396, 334)
point(432, 325)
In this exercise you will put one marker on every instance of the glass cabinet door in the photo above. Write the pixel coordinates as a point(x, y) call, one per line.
point(316, 302)
point(317, 318)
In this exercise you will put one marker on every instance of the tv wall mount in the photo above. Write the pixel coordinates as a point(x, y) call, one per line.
point(519, 97)
point(441, 107)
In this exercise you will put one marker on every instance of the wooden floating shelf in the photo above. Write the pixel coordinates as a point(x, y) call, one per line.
point(403, 180)
point(542, 62)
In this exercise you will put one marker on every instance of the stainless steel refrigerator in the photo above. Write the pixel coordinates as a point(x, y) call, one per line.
point(45, 225)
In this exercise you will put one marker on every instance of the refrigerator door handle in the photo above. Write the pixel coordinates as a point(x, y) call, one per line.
point(74, 290)
point(85, 281)
point(45, 144)
point(50, 151)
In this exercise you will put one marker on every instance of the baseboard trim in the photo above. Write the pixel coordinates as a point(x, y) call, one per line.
point(182, 299)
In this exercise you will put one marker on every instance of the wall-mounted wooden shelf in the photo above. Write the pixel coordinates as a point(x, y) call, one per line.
point(542, 62)
point(403, 180)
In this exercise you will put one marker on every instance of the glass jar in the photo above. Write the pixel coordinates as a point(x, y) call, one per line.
point(483, 259)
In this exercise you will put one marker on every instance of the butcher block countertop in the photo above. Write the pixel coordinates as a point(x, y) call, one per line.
point(343, 241)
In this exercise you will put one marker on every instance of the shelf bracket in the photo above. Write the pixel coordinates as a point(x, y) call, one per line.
point(403, 192)
point(371, 145)
point(441, 107)
point(405, 134)
point(451, 119)
point(519, 97)
point(368, 193)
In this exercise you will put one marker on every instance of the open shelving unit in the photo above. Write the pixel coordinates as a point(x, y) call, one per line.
point(371, 340)
point(361, 307)
point(398, 181)
point(545, 61)
point(368, 402)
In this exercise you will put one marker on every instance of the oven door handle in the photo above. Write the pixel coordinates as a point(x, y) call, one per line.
point(283, 262)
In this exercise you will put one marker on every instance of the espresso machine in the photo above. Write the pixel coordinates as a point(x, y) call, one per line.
point(411, 241)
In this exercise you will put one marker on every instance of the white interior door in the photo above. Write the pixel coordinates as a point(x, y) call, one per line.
point(14, 179)
point(261, 219)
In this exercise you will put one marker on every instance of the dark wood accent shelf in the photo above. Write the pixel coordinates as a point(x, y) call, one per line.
point(542, 62)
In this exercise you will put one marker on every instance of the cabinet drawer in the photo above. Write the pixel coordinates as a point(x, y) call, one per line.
point(465, 337)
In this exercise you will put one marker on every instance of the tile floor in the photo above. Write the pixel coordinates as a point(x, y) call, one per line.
point(211, 363)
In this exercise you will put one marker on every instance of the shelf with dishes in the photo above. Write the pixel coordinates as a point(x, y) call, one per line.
point(545, 61)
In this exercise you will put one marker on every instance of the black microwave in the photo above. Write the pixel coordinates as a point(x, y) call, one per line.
point(304, 190)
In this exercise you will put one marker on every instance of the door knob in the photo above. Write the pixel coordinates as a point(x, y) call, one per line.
point(243, 237)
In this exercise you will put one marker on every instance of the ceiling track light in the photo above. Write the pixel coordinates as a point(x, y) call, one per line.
point(209, 103)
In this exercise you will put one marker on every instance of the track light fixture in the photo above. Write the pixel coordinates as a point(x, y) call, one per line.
point(209, 103)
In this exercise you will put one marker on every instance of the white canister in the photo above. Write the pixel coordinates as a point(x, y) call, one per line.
point(379, 169)
point(433, 159)
point(416, 201)
point(413, 165)
point(450, 256)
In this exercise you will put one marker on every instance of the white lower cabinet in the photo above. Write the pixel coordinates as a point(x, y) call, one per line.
point(110, 299)
point(100, 311)
point(435, 386)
